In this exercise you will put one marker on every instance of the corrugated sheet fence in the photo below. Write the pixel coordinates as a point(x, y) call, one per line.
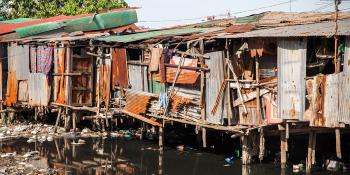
point(291, 63)
point(214, 79)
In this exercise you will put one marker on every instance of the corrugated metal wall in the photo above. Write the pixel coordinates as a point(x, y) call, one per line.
point(214, 79)
point(138, 77)
point(18, 74)
point(291, 63)
point(39, 91)
point(344, 92)
point(19, 60)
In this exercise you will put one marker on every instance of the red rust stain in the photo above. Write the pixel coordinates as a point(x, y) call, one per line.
point(12, 89)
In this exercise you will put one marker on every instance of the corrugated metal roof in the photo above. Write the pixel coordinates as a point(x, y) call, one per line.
point(152, 34)
point(316, 29)
point(8, 28)
point(97, 22)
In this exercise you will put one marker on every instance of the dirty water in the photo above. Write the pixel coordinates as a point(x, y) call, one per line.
point(109, 155)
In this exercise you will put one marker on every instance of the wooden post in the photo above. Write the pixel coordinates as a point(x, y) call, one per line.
point(58, 118)
point(246, 158)
point(257, 77)
point(283, 150)
point(261, 144)
point(202, 89)
point(338, 143)
point(74, 117)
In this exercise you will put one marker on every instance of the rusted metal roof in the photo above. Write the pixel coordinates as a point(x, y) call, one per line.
point(325, 29)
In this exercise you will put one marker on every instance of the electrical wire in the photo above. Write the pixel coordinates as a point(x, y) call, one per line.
point(220, 15)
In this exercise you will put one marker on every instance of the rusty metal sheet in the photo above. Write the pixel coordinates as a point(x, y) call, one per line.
point(185, 77)
point(59, 84)
point(138, 77)
point(39, 91)
point(213, 82)
point(177, 102)
point(291, 63)
point(104, 74)
point(18, 69)
point(316, 92)
point(136, 103)
point(239, 28)
point(23, 91)
point(119, 68)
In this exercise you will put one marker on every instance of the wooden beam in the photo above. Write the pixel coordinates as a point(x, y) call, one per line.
point(142, 118)
point(236, 129)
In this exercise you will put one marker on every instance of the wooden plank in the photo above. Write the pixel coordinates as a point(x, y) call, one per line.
point(249, 96)
point(142, 118)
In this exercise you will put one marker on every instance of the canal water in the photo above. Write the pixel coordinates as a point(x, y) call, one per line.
point(132, 157)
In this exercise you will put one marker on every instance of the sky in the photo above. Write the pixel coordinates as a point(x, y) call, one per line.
point(166, 13)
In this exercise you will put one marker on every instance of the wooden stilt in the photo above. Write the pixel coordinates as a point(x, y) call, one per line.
point(261, 144)
point(160, 135)
point(313, 159)
point(283, 150)
point(36, 114)
point(58, 118)
point(74, 118)
point(160, 162)
point(309, 152)
point(246, 158)
point(338, 143)
point(204, 137)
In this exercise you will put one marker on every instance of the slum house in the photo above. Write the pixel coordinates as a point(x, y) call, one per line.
point(47, 62)
point(311, 64)
point(175, 75)
point(48, 33)
point(182, 74)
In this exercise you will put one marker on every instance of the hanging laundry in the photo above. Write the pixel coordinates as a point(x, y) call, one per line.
point(33, 62)
point(41, 59)
point(156, 53)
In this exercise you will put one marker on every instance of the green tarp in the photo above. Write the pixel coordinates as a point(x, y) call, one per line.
point(97, 22)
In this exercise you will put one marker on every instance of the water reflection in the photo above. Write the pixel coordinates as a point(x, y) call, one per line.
point(111, 156)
